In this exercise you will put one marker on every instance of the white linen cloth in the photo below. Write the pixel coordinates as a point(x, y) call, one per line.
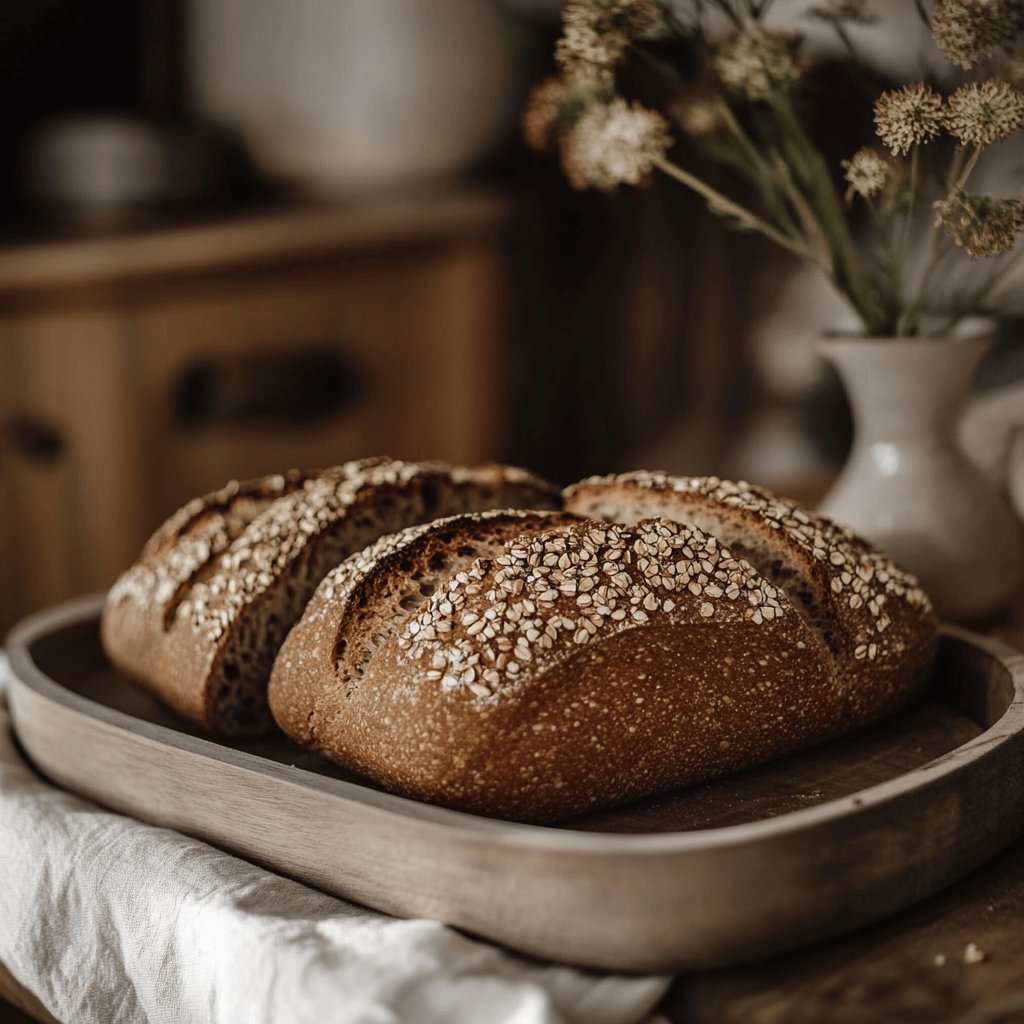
point(109, 920)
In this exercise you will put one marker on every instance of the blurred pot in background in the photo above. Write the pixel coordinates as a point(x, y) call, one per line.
point(110, 169)
point(342, 96)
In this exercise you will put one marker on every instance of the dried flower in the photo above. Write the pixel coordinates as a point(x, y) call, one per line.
point(606, 141)
point(758, 63)
point(984, 112)
point(907, 117)
point(614, 144)
point(584, 52)
point(969, 31)
point(629, 17)
point(554, 107)
point(856, 12)
point(595, 33)
point(981, 225)
point(699, 115)
point(541, 112)
point(866, 172)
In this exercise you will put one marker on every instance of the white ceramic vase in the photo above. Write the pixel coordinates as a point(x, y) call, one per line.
point(907, 486)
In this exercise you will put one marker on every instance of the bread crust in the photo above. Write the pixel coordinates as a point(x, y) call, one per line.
point(199, 618)
point(356, 601)
point(575, 665)
point(876, 618)
point(141, 606)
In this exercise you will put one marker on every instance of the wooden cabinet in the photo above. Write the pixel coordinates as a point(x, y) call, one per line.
point(136, 372)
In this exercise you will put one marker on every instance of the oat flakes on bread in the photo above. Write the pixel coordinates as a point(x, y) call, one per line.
point(875, 618)
point(199, 618)
point(533, 666)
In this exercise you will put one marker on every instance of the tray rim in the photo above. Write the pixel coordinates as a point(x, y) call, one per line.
point(511, 833)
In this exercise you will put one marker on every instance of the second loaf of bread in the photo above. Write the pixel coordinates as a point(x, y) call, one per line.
point(199, 618)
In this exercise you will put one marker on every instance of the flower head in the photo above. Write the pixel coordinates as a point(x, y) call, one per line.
point(969, 31)
point(554, 107)
point(856, 12)
point(758, 63)
point(613, 144)
point(866, 172)
point(595, 33)
point(541, 112)
point(584, 53)
point(981, 225)
point(699, 115)
point(631, 18)
point(984, 112)
point(907, 117)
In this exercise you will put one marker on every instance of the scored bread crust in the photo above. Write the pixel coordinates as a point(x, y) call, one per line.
point(550, 665)
point(140, 608)
point(875, 617)
point(359, 603)
point(200, 617)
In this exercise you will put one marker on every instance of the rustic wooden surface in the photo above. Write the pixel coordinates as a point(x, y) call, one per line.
point(882, 818)
point(915, 967)
point(912, 969)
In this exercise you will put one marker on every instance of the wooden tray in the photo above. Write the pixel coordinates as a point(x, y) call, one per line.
point(776, 857)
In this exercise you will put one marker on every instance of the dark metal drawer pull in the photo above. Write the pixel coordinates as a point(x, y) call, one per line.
point(32, 439)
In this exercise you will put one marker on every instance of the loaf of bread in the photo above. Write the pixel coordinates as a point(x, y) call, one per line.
point(199, 619)
point(875, 619)
point(533, 665)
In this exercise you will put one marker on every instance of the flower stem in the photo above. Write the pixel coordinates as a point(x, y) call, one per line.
point(723, 206)
point(727, 10)
point(908, 216)
point(976, 305)
point(820, 193)
point(767, 177)
point(972, 162)
point(957, 179)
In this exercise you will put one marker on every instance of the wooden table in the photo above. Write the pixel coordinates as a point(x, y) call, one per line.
point(958, 957)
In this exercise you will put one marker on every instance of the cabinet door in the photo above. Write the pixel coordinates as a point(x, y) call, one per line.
point(71, 498)
point(310, 366)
